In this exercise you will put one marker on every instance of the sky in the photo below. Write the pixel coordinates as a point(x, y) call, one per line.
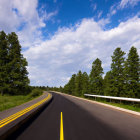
point(61, 37)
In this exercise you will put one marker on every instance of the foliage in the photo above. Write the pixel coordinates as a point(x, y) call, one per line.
point(132, 73)
point(96, 80)
point(78, 84)
point(3, 63)
point(122, 80)
point(85, 84)
point(35, 93)
point(117, 72)
point(108, 84)
point(13, 71)
point(8, 101)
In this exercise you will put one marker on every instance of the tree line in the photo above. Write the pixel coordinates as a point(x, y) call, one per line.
point(13, 72)
point(123, 80)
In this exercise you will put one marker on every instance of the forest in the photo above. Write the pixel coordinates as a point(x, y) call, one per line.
point(13, 72)
point(123, 79)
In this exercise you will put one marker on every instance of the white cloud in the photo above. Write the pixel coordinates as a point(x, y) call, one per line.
point(8, 15)
point(50, 15)
point(100, 14)
point(23, 17)
point(71, 49)
point(121, 5)
point(53, 61)
point(126, 3)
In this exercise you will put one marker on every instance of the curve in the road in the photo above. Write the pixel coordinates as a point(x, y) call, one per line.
point(81, 121)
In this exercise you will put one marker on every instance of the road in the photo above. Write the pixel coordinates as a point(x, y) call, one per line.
point(82, 120)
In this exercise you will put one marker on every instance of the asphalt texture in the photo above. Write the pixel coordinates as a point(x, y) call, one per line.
point(82, 120)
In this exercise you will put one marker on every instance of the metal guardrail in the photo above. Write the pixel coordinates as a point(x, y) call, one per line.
point(115, 98)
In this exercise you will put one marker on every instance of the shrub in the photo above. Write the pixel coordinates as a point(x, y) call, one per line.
point(35, 93)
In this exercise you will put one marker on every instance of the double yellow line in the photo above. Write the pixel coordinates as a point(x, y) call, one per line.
point(22, 112)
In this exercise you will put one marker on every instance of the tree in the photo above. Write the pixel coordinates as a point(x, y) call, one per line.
point(132, 73)
point(117, 70)
point(85, 84)
point(3, 62)
point(70, 86)
point(96, 80)
point(108, 84)
point(78, 84)
point(18, 73)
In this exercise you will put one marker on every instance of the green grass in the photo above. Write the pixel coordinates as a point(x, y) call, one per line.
point(8, 101)
point(123, 104)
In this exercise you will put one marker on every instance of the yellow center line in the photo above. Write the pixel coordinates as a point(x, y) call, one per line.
point(26, 109)
point(22, 112)
point(14, 115)
point(61, 128)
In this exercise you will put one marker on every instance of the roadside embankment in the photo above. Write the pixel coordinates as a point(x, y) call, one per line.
point(13, 119)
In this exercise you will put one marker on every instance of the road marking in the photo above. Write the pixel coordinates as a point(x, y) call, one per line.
point(22, 112)
point(61, 128)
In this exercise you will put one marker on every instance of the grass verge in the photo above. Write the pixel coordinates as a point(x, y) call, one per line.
point(8, 101)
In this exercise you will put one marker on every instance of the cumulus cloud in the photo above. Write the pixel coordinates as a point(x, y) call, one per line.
point(71, 49)
point(53, 61)
point(23, 17)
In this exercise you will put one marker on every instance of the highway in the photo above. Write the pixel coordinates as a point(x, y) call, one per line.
point(82, 120)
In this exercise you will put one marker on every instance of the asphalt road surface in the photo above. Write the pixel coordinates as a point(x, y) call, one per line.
point(82, 120)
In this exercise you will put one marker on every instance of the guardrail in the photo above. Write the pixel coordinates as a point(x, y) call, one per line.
point(115, 98)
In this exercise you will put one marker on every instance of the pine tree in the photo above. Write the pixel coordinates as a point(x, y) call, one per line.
point(117, 70)
point(78, 84)
point(108, 84)
point(85, 84)
point(3, 63)
point(96, 80)
point(72, 84)
point(66, 88)
point(132, 73)
point(18, 74)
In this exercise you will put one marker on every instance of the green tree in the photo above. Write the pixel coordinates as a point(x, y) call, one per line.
point(85, 84)
point(78, 84)
point(3, 62)
point(66, 88)
point(132, 73)
point(70, 86)
point(117, 70)
point(18, 73)
point(96, 80)
point(108, 84)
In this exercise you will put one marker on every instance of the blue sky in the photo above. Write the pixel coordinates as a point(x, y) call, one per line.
point(71, 11)
point(60, 37)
